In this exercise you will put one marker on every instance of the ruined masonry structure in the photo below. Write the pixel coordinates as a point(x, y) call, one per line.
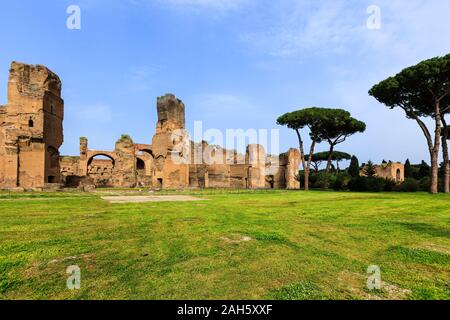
point(31, 133)
point(158, 165)
point(392, 170)
point(31, 128)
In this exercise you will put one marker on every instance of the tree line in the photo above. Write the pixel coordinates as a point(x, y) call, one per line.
point(421, 91)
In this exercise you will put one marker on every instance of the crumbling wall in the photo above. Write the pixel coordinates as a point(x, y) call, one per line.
point(31, 128)
point(292, 169)
point(256, 156)
point(124, 171)
point(172, 161)
point(393, 171)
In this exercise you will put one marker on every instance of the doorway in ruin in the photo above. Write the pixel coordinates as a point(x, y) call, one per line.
point(160, 184)
point(53, 154)
point(144, 167)
point(140, 165)
point(100, 169)
point(270, 182)
point(398, 175)
point(143, 176)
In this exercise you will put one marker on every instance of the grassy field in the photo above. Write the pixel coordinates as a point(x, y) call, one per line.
point(235, 245)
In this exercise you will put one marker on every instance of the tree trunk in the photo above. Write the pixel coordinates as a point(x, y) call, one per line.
point(302, 153)
point(435, 151)
point(446, 157)
point(326, 183)
point(308, 166)
point(432, 148)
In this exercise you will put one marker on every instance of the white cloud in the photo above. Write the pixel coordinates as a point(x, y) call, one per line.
point(299, 27)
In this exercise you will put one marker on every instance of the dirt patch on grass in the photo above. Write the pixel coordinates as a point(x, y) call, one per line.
point(236, 239)
point(355, 284)
point(58, 265)
point(144, 199)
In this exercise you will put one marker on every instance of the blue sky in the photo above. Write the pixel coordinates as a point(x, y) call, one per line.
point(235, 63)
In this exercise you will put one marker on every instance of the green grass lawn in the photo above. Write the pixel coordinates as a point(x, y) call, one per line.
point(235, 245)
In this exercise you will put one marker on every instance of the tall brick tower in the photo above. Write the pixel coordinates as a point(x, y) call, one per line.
point(31, 128)
point(169, 136)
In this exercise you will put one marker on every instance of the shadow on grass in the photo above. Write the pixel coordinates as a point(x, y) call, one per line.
point(426, 228)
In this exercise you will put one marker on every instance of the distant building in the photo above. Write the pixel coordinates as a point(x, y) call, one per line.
point(389, 170)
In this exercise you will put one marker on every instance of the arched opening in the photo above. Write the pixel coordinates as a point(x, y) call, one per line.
point(100, 169)
point(399, 175)
point(101, 157)
point(30, 123)
point(140, 164)
point(160, 183)
point(270, 182)
point(145, 152)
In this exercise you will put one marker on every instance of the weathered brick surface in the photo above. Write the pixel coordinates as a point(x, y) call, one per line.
point(31, 134)
point(31, 131)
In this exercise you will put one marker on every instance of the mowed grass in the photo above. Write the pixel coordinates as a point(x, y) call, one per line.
point(235, 245)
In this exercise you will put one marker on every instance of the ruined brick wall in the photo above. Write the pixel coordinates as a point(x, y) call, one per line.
point(31, 129)
point(393, 171)
point(124, 172)
point(160, 165)
point(168, 171)
point(101, 171)
point(292, 169)
point(256, 157)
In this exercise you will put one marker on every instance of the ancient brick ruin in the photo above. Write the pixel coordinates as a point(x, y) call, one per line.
point(31, 128)
point(172, 161)
point(31, 134)
point(391, 170)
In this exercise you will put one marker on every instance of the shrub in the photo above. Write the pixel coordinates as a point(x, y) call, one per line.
point(425, 184)
point(367, 184)
point(390, 185)
point(375, 184)
point(358, 184)
point(339, 183)
point(409, 185)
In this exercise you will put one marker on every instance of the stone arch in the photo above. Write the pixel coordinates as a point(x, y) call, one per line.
point(398, 175)
point(109, 155)
point(145, 157)
point(102, 171)
point(140, 164)
point(145, 151)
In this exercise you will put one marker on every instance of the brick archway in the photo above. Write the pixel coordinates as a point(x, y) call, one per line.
point(92, 154)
